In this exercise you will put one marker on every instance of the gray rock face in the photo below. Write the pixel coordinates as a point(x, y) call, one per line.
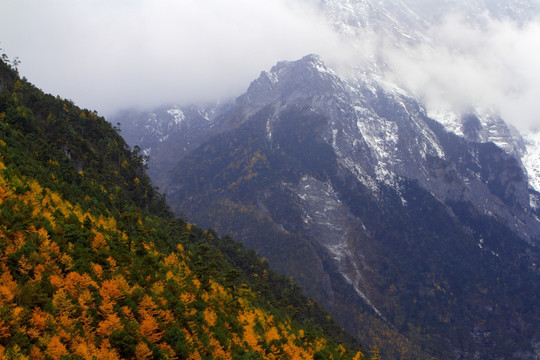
point(382, 135)
point(167, 134)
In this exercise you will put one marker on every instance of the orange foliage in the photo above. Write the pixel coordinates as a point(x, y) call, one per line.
point(210, 317)
point(218, 352)
point(74, 283)
point(36, 354)
point(150, 329)
point(147, 307)
point(8, 287)
point(167, 351)
point(55, 348)
point(112, 264)
point(187, 298)
point(106, 353)
point(80, 300)
point(5, 329)
point(142, 352)
point(272, 334)
point(111, 323)
point(84, 349)
point(128, 313)
point(99, 242)
point(114, 289)
point(39, 319)
point(97, 269)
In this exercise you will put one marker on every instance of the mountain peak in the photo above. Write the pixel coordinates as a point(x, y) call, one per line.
point(310, 61)
point(292, 81)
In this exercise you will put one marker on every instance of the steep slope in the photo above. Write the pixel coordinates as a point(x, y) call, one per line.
point(93, 266)
point(376, 210)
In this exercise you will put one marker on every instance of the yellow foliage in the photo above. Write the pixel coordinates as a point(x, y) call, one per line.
point(66, 260)
point(111, 323)
point(8, 287)
point(55, 348)
point(150, 329)
point(97, 269)
point(218, 352)
point(158, 288)
point(35, 188)
point(84, 349)
point(171, 260)
point(85, 299)
point(80, 301)
point(142, 352)
point(62, 303)
point(272, 334)
point(99, 242)
point(210, 317)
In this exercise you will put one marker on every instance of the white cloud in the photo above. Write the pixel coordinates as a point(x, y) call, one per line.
point(495, 64)
point(111, 54)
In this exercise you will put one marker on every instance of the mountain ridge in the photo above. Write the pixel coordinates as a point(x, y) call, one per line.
point(326, 179)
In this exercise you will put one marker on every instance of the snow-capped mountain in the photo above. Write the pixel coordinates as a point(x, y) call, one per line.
point(411, 20)
point(407, 25)
point(421, 222)
point(349, 186)
point(381, 134)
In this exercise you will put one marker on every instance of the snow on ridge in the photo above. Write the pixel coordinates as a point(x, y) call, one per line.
point(450, 120)
point(531, 159)
point(177, 114)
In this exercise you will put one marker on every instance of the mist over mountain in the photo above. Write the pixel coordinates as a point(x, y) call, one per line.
point(395, 191)
point(385, 155)
point(147, 54)
point(375, 208)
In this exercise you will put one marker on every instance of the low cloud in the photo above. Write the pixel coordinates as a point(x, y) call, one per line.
point(113, 54)
point(108, 55)
point(493, 64)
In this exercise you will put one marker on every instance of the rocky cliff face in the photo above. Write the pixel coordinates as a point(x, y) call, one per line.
point(381, 134)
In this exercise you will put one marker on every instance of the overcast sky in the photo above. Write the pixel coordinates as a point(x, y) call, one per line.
point(112, 54)
point(117, 53)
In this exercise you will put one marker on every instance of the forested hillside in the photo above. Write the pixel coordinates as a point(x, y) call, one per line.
point(94, 266)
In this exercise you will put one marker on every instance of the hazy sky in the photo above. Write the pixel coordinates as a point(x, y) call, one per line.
point(111, 54)
point(495, 65)
point(116, 53)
